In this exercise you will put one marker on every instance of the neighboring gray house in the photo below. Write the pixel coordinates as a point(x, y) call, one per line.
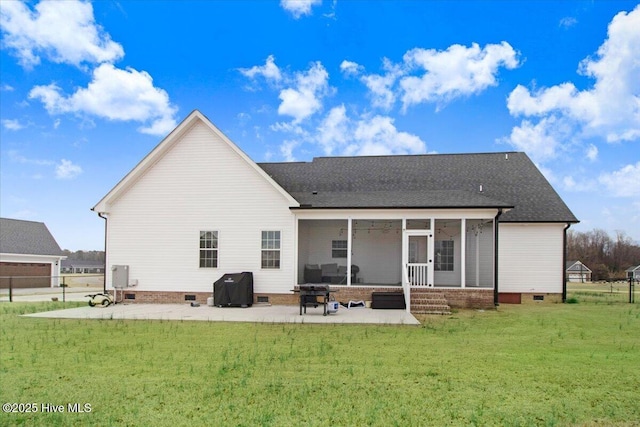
point(81, 266)
point(475, 228)
point(29, 255)
point(578, 272)
point(633, 272)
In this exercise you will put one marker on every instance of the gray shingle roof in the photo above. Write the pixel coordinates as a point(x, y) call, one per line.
point(26, 237)
point(425, 181)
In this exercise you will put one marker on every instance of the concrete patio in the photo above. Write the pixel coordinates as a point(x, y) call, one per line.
point(258, 313)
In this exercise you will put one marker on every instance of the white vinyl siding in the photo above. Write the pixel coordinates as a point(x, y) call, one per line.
point(530, 258)
point(200, 181)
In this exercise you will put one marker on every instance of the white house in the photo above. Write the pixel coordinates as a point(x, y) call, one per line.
point(29, 255)
point(578, 272)
point(478, 228)
point(633, 272)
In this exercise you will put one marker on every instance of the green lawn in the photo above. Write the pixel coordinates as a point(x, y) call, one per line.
point(553, 364)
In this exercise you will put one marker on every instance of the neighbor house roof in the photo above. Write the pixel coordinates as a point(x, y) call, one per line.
point(496, 180)
point(630, 269)
point(27, 238)
point(577, 266)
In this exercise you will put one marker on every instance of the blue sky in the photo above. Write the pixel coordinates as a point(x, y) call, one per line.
point(87, 90)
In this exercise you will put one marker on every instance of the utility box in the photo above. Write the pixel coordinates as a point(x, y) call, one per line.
point(120, 276)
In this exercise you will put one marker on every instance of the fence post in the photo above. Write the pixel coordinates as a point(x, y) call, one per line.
point(631, 285)
point(10, 288)
point(64, 288)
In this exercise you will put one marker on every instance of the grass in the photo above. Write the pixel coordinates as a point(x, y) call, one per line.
point(528, 365)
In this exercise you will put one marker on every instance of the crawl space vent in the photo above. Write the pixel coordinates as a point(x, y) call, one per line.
point(129, 296)
point(189, 297)
point(262, 298)
point(538, 297)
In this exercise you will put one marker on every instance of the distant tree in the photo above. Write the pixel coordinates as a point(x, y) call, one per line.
point(606, 257)
point(84, 255)
point(599, 272)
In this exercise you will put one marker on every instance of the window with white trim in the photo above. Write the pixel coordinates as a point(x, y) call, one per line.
point(270, 249)
point(338, 249)
point(444, 255)
point(208, 249)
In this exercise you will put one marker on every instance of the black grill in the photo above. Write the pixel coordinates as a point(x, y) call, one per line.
point(234, 290)
point(309, 297)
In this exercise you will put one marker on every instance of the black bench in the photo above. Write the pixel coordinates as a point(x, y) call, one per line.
point(388, 300)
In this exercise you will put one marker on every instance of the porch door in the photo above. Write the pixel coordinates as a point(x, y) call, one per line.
point(418, 249)
point(419, 261)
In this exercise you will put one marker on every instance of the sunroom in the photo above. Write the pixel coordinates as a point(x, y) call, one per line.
point(383, 249)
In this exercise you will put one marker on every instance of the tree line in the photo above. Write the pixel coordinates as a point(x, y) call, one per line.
point(607, 257)
point(84, 255)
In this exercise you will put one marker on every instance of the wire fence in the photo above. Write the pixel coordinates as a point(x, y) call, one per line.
point(43, 288)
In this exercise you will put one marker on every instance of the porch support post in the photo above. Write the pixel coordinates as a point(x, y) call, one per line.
point(405, 242)
point(463, 252)
point(349, 246)
point(431, 252)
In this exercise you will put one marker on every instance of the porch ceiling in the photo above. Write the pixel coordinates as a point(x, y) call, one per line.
point(396, 199)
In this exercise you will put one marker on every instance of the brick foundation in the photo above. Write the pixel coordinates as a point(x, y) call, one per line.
point(468, 298)
point(457, 298)
point(530, 298)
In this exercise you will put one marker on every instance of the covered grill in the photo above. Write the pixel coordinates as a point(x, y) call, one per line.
point(234, 290)
point(309, 297)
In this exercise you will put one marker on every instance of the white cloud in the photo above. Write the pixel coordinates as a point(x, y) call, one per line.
point(7, 88)
point(298, 8)
point(381, 86)
point(62, 31)
point(610, 109)
point(114, 94)
point(304, 99)
point(286, 149)
point(539, 140)
point(432, 76)
point(269, 70)
point(568, 22)
point(455, 72)
point(339, 134)
point(624, 182)
point(300, 94)
point(592, 152)
point(67, 170)
point(12, 124)
point(16, 157)
point(350, 68)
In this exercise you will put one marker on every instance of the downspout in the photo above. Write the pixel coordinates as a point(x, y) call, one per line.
point(104, 276)
point(564, 264)
point(495, 258)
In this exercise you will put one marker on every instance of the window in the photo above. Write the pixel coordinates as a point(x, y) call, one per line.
point(444, 255)
point(270, 249)
point(208, 249)
point(338, 249)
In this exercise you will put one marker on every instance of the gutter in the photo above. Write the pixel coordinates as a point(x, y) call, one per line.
point(495, 258)
point(564, 263)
